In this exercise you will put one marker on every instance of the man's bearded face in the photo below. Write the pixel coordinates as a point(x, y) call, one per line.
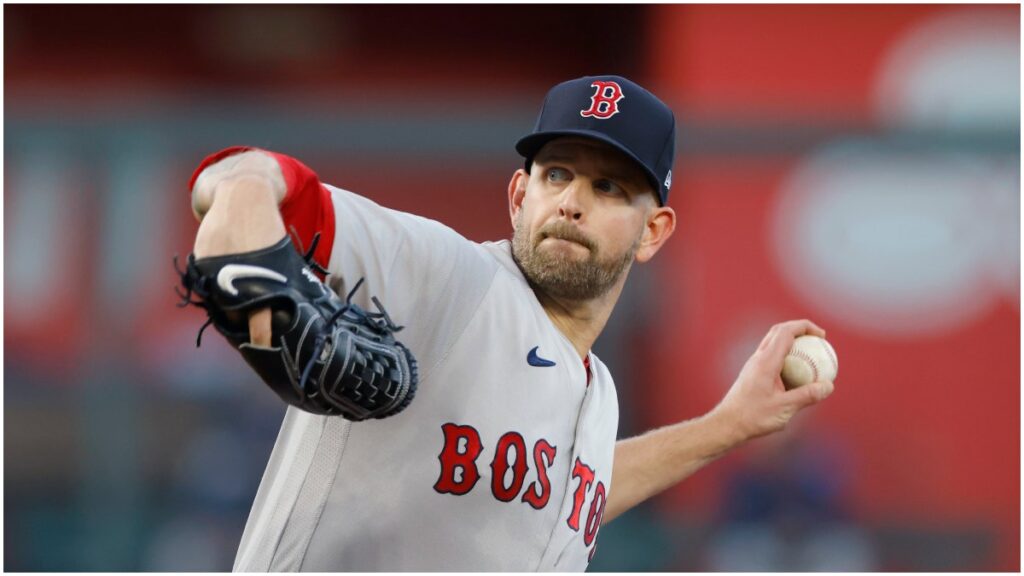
point(561, 271)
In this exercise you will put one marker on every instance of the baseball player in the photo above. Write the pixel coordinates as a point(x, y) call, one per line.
point(446, 412)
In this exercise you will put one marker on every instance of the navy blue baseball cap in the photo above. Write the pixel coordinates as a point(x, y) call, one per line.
point(614, 110)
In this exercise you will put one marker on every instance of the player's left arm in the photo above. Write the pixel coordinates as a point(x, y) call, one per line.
point(757, 404)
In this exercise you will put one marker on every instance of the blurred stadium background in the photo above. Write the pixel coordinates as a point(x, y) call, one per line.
point(858, 165)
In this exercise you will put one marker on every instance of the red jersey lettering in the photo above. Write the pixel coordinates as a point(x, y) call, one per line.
point(500, 466)
point(538, 493)
point(596, 514)
point(452, 459)
point(586, 475)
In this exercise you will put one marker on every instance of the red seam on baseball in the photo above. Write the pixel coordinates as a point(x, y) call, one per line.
point(803, 355)
point(831, 356)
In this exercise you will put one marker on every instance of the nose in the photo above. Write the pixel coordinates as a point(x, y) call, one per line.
point(570, 206)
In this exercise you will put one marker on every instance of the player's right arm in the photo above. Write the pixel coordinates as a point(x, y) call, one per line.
point(757, 404)
point(236, 199)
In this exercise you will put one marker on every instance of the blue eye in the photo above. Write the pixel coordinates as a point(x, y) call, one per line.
point(609, 187)
point(557, 174)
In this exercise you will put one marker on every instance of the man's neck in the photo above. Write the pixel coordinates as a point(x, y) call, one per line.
point(581, 321)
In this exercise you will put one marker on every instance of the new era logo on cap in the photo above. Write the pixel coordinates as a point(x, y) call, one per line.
point(613, 110)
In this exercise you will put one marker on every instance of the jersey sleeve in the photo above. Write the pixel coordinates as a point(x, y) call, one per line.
point(306, 208)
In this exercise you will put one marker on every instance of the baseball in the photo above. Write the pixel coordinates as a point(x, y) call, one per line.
point(809, 360)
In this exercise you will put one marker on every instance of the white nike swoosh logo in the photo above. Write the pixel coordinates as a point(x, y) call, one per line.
point(232, 272)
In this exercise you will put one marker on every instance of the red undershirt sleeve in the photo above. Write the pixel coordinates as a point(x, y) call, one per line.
point(306, 208)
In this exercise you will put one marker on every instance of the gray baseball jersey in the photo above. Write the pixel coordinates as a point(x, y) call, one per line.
point(504, 459)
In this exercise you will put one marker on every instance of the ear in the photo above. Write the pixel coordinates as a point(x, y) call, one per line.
point(517, 193)
point(661, 223)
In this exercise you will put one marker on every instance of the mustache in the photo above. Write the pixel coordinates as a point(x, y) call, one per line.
point(562, 230)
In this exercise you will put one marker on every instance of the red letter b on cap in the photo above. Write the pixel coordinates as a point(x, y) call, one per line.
point(605, 101)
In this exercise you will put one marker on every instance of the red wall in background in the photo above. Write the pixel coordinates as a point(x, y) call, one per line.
point(760, 62)
point(931, 421)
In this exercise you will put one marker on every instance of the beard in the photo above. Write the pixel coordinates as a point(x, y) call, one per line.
point(563, 275)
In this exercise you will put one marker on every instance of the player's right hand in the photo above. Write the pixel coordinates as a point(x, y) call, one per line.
point(758, 402)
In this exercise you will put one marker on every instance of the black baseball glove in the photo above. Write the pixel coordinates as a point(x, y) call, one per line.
point(327, 356)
